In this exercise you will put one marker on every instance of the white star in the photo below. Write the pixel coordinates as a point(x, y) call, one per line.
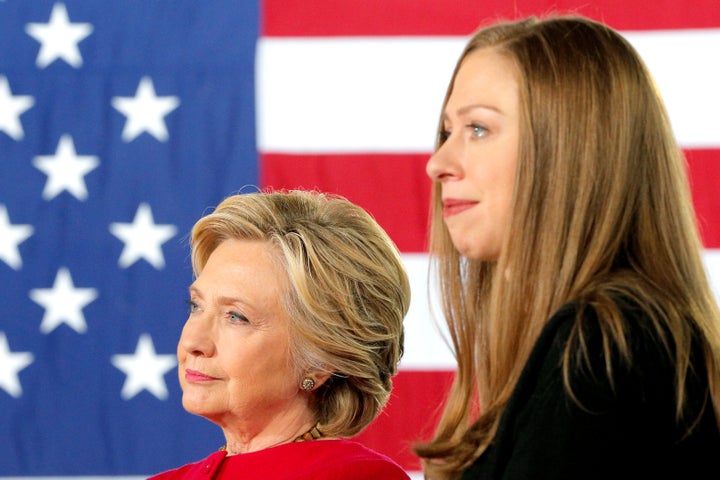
point(59, 38)
point(10, 365)
point(145, 111)
point(66, 170)
point(144, 369)
point(63, 303)
point(11, 107)
point(10, 237)
point(142, 238)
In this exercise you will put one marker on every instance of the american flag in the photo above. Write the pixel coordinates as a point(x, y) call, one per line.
point(123, 121)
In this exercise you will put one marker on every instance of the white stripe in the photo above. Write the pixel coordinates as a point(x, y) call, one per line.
point(383, 94)
point(711, 258)
point(424, 345)
point(351, 94)
point(685, 66)
point(425, 348)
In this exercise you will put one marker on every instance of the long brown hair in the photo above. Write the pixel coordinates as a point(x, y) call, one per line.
point(601, 207)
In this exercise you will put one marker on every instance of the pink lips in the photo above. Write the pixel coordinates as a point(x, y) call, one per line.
point(452, 206)
point(194, 376)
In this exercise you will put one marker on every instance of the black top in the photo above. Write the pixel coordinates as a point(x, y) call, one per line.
point(629, 433)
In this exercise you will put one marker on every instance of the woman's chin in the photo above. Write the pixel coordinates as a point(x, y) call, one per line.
point(472, 251)
point(196, 406)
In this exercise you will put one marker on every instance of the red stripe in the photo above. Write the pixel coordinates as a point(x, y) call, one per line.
point(704, 167)
point(393, 188)
point(313, 18)
point(410, 416)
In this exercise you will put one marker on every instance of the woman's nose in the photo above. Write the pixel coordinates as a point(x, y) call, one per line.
point(443, 164)
point(196, 336)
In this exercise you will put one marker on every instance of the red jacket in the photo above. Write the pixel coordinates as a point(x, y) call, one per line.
point(317, 460)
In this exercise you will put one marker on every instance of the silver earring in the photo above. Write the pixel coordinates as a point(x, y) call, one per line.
point(307, 384)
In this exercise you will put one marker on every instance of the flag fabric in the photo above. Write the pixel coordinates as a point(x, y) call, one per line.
point(122, 122)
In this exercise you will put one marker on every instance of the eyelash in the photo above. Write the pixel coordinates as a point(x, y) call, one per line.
point(240, 317)
point(191, 306)
point(194, 307)
point(445, 134)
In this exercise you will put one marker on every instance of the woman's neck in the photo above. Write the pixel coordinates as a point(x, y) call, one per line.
point(241, 441)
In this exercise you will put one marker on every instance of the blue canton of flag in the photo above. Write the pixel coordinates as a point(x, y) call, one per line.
point(121, 123)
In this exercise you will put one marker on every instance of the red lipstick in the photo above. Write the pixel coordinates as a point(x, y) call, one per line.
point(194, 376)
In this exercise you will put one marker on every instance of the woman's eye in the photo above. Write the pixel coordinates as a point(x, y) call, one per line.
point(477, 130)
point(192, 306)
point(237, 317)
point(443, 135)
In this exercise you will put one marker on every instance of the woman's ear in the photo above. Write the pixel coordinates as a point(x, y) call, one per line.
point(313, 379)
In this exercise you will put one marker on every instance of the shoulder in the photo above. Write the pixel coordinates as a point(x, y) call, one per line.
point(349, 460)
point(617, 332)
point(605, 412)
point(317, 460)
point(593, 318)
point(193, 470)
point(608, 353)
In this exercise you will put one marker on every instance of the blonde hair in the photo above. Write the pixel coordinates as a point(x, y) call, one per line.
point(601, 208)
point(347, 297)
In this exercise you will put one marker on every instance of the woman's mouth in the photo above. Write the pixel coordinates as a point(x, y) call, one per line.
point(193, 376)
point(453, 206)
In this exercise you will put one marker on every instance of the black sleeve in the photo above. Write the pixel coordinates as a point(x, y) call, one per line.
point(613, 433)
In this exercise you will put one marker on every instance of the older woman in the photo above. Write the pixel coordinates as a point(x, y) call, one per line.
point(294, 333)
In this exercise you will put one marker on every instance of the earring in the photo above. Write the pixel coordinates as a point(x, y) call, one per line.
point(307, 384)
